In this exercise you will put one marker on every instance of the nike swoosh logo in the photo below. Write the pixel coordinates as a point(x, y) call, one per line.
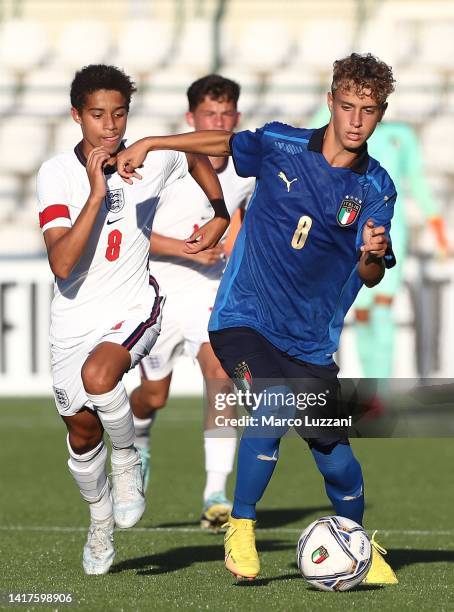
point(110, 221)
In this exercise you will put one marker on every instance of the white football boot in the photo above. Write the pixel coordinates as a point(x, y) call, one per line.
point(99, 550)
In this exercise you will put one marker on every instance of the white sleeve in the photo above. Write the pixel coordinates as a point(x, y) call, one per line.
point(53, 196)
point(175, 166)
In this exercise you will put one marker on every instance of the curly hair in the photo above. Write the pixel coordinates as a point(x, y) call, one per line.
point(100, 76)
point(214, 86)
point(359, 72)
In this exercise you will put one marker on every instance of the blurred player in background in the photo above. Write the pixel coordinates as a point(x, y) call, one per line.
point(191, 283)
point(396, 145)
point(316, 229)
point(107, 308)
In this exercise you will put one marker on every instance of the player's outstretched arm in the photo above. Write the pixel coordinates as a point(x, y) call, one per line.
point(206, 142)
point(207, 236)
point(371, 266)
point(66, 245)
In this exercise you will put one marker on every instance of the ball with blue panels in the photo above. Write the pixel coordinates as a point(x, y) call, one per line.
point(334, 553)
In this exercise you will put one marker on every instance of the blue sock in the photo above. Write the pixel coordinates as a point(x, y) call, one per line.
point(258, 451)
point(253, 474)
point(343, 480)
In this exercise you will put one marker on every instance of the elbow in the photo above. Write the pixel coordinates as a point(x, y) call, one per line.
point(60, 270)
point(371, 280)
point(60, 274)
point(371, 283)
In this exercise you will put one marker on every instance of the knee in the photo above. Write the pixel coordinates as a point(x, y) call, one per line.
point(337, 463)
point(83, 442)
point(96, 378)
point(154, 399)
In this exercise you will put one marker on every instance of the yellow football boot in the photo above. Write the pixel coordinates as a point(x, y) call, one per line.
point(241, 556)
point(380, 572)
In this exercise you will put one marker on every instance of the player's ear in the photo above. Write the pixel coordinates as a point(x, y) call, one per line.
point(330, 101)
point(75, 115)
point(237, 119)
point(384, 106)
point(189, 118)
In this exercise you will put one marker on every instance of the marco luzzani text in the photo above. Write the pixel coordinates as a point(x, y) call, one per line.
point(269, 402)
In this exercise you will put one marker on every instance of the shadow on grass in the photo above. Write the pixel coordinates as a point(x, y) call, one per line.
point(278, 517)
point(175, 559)
point(401, 557)
point(267, 519)
point(259, 582)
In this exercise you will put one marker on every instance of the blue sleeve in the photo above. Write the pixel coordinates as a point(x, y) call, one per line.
point(381, 211)
point(247, 154)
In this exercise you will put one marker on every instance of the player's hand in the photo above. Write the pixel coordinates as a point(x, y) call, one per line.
point(96, 160)
point(130, 159)
point(207, 236)
point(208, 257)
point(374, 239)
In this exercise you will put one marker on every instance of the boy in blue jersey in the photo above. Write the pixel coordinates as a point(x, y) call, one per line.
point(316, 230)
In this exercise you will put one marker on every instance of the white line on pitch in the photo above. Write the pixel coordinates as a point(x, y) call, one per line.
point(55, 529)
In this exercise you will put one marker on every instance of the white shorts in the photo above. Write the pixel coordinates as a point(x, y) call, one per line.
point(184, 330)
point(138, 333)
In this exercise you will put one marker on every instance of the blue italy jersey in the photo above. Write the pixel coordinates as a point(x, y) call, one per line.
point(293, 273)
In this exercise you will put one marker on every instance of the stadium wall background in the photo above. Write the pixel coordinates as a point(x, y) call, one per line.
point(422, 312)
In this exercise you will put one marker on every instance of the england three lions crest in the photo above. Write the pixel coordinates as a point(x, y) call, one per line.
point(349, 211)
point(61, 398)
point(115, 200)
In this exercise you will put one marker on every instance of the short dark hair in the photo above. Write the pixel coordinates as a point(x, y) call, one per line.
point(363, 71)
point(100, 76)
point(216, 87)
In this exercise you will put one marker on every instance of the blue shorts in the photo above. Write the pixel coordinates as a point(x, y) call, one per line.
point(253, 362)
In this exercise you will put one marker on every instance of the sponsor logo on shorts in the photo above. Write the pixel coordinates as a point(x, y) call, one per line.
point(242, 377)
point(61, 398)
point(118, 325)
point(115, 200)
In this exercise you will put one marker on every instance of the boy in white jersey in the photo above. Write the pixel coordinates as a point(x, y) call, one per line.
point(107, 309)
point(191, 282)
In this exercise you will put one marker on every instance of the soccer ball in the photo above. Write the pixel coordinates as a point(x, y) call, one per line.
point(334, 553)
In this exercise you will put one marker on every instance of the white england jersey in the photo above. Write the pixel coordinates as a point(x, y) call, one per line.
point(182, 208)
point(111, 279)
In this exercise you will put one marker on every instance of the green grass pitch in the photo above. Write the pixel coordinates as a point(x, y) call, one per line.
point(167, 563)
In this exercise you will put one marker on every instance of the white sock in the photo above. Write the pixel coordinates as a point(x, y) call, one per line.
point(102, 509)
point(220, 446)
point(215, 483)
point(116, 416)
point(123, 456)
point(142, 429)
point(89, 472)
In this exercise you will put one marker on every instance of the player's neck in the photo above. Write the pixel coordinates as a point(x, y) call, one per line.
point(334, 153)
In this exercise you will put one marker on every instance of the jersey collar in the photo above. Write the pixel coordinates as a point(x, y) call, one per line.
point(361, 162)
point(108, 170)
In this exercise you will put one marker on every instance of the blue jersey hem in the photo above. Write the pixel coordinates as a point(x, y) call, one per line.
point(244, 322)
